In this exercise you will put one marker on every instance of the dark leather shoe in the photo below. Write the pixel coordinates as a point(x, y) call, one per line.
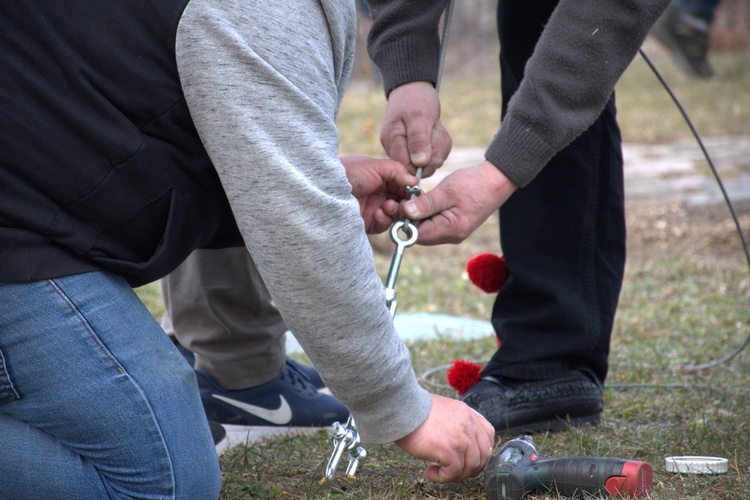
point(528, 406)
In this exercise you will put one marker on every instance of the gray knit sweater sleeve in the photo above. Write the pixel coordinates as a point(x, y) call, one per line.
point(263, 80)
point(583, 51)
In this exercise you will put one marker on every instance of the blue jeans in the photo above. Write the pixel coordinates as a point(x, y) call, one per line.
point(95, 400)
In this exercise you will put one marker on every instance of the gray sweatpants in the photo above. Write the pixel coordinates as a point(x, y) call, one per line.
point(219, 308)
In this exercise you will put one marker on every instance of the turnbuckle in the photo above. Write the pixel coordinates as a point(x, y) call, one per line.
point(346, 438)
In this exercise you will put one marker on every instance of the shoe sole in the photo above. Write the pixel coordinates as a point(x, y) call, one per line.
point(557, 424)
point(242, 434)
point(222, 446)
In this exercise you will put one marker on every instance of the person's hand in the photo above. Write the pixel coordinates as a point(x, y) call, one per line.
point(379, 186)
point(412, 133)
point(459, 204)
point(455, 437)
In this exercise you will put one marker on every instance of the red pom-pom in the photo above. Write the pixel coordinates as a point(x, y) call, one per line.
point(487, 271)
point(462, 375)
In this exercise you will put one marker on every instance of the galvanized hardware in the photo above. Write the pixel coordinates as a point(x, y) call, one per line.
point(345, 438)
point(414, 191)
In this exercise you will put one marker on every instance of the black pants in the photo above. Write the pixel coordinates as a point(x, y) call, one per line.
point(563, 236)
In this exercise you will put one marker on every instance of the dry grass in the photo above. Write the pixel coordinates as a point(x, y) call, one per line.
point(684, 302)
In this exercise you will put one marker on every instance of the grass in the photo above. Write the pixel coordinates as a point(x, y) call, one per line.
point(684, 303)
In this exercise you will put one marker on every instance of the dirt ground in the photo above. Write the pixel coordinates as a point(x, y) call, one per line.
point(665, 226)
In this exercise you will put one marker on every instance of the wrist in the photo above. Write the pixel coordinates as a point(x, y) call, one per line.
point(415, 86)
point(498, 183)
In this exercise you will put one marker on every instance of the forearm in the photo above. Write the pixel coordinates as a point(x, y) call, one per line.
point(404, 40)
point(583, 51)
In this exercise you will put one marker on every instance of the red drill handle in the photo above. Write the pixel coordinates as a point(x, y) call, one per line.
point(635, 479)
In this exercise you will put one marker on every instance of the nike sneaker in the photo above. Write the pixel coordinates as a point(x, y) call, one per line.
point(288, 401)
point(308, 371)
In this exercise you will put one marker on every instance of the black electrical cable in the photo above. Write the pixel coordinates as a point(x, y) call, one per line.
point(724, 193)
point(710, 162)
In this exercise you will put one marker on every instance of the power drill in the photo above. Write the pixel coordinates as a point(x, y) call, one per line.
point(518, 468)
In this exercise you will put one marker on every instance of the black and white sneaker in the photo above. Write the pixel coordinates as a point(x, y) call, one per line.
point(308, 371)
point(288, 404)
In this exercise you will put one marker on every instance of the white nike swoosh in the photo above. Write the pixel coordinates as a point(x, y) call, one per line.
point(280, 416)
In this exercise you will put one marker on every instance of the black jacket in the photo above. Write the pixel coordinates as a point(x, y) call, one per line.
point(100, 164)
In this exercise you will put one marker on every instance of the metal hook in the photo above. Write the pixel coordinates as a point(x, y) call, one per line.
point(398, 255)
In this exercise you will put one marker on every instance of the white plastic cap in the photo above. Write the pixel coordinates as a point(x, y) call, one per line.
point(697, 465)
